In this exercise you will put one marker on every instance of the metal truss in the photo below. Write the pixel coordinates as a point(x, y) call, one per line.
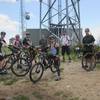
point(60, 16)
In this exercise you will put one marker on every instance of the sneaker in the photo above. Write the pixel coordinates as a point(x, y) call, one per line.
point(63, 59)
point(3, 71)
point(58, 78)
point(69, 61)
point(86, 66)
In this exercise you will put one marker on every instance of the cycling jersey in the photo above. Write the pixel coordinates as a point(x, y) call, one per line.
point(17, 44)
point(2, 41)
point(87, 40)
point(27, 42)
point(53, 51)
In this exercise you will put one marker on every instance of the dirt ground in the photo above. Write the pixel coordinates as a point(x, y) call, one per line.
point(76, 84)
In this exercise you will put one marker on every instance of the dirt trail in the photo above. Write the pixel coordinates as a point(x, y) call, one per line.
point(76, 84)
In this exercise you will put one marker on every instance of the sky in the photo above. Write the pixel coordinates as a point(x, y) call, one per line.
point(10, 16)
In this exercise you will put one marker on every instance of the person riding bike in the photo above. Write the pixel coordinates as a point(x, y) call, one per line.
point(27, 44)
point(17, 45)
point(27, 41)
point(2, 43)
point(88, 42)
point(53, 40)
point(17, 42)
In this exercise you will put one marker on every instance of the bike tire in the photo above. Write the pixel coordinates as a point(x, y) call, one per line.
point(8, 63)
point(39, 68)
point(20, 69)
point(88, 64)
point(54, 65)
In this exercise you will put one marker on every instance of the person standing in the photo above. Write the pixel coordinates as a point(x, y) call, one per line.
point(65, 46)
point(88, 39)
point(2, 43)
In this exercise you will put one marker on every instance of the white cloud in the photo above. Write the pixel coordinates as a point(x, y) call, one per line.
point(96, 32)
point(8, 25)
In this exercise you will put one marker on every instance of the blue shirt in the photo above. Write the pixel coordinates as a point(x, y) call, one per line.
point(53, 51)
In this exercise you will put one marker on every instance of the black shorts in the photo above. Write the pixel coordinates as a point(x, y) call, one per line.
point(65, 49)
point(1, 57)
point(88, 49)
point(57, 48)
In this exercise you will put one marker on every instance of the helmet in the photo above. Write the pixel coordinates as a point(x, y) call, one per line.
point(17, 36)
point(87, 30)
point(27, 33)
point(3, 33)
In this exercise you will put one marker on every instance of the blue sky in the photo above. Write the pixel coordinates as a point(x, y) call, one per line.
point(90, 13)
point(9, 16)
point(90, 16)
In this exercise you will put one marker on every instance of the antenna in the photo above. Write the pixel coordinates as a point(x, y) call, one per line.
point(22, 16)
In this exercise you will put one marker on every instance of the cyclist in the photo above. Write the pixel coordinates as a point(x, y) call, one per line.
point(2, 43)
point(27, 41)
point(27, 44)
point(88, 42)
point(53, 41)
point(53, 55)
point(17, 42)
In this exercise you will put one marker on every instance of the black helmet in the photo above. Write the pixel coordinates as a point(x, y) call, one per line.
point(87, 30)
point(27, 34)
point(3, 33)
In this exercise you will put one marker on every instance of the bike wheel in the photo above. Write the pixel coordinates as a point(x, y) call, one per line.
point(20, 67)
point(88, 63)
point(93, 63)
point(8, 63)
point(36, 72)
point(55, 64)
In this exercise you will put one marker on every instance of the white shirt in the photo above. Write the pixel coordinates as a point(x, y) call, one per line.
point(65, 40)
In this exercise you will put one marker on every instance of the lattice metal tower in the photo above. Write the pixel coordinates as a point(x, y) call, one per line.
point(60, 16)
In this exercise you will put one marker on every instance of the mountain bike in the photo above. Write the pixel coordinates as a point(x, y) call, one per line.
point(24, 63)
point(44, 62)
point(8, 59)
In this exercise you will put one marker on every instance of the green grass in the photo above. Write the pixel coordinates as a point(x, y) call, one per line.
point(61, 69)
point(21, 97)
point(59, 93)
point(66, 96)
point(75, 98)
point(98, 66)
point(10, 82)
point(37, 95)
point(74, 57)
point(7, 80)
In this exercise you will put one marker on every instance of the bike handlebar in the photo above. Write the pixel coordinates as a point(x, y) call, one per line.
point(88, 44)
